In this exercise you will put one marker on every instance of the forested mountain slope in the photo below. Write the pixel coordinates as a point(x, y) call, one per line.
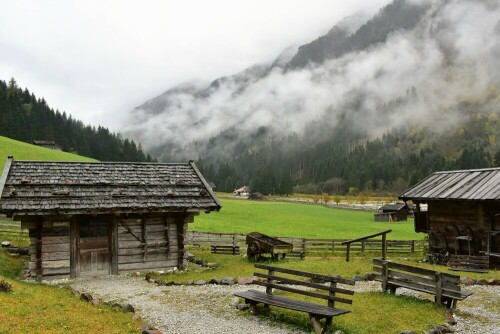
point(25, 117)
point(412, 90)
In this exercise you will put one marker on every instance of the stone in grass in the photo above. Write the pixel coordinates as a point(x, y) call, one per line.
point(246, 280)
point(190, 282)
point(214, 281)
point(200, 282)
point(481, 281)
point(441, 329)
point(370, 276)
point(493, 281)
point(408, 332)
point(467, 281)
point(450, 319)
point(96, 300)
point(338, 332)
point(242, 306)
point(228, 281)
point(159, 282)
point(357, 278)
point(128, 308)
point(86, 296)
point(150, 330)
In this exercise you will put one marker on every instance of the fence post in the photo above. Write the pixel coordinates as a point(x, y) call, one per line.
point(385, 275)
point(363, 247)
point(304, 245)
point(384, 246)
point(438, 279)
point(347, 253)
point(413, 246)
point(235, 240)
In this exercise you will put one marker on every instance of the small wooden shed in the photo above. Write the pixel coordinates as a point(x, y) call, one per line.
point(88, 218)
point(392, 213)
point(460, 210)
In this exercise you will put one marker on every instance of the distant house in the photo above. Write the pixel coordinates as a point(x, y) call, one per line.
point(460, 210)
point(104, 218)
point(47, 144)
point(392, 213)
point(243, 191)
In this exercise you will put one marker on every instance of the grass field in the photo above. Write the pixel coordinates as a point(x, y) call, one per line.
point(297, 220)
point(25, 151)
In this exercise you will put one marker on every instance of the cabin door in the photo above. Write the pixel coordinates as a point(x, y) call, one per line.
point(93, 245)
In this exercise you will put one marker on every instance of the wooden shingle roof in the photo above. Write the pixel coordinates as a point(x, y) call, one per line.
point(392, 207)
point(43, 187)
point(467, 185)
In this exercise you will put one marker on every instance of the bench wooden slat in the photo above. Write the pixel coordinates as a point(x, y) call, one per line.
point(417, 270)
point(305, 292)
point(284, 280)
point(289, 303)
point(320, 277)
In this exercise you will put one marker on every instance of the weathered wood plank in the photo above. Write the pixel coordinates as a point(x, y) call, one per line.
point(148, 265)
point(52, 256)
point(50, 264)
point(139, 258)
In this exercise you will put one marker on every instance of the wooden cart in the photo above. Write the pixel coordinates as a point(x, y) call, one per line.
point(259, 244)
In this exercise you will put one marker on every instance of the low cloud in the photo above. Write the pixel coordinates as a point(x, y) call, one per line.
point(451, 58)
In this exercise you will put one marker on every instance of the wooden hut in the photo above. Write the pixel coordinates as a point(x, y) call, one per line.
point(460, 210)
point(104, 218)
point(47, 144)
point(392, 213)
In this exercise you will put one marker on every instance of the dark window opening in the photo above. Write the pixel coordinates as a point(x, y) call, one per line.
point(92, 227)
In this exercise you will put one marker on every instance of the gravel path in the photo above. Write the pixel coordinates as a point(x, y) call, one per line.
point(211, 308)
point(181, 309)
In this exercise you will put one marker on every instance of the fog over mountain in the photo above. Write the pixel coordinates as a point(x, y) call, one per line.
point(414, 62)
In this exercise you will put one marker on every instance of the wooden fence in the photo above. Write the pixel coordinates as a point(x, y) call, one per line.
point(198, 239)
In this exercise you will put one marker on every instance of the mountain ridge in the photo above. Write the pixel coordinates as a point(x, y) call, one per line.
point(413, 66)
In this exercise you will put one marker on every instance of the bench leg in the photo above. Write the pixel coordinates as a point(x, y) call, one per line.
point(318, 328)
point(255, 311)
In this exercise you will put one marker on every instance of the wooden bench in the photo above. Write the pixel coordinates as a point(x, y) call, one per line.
point(444, 286)
point(225, 249)
point(296, 278)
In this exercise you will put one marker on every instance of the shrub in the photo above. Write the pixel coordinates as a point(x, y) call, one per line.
point(5, 287)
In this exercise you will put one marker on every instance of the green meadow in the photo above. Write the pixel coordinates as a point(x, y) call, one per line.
point(286, 219)
point(25, 151)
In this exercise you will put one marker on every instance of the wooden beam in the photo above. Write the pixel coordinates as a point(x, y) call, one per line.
point(38, 248)
point(366, 237)
point(113, 246)
point(73, 261)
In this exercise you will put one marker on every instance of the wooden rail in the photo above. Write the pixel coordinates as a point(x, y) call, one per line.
point(306, 245)
point(362, 239)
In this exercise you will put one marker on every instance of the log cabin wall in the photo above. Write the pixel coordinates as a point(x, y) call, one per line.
point(477, 219)
point(50, 246)
point(93, 218)
point(151, 242)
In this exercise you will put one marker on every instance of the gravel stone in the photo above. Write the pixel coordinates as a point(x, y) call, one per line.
point(212, 308)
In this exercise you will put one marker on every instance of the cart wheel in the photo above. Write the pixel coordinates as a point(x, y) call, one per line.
point(253, 250)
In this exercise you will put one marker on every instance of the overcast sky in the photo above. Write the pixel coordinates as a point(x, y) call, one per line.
point(97, 60)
